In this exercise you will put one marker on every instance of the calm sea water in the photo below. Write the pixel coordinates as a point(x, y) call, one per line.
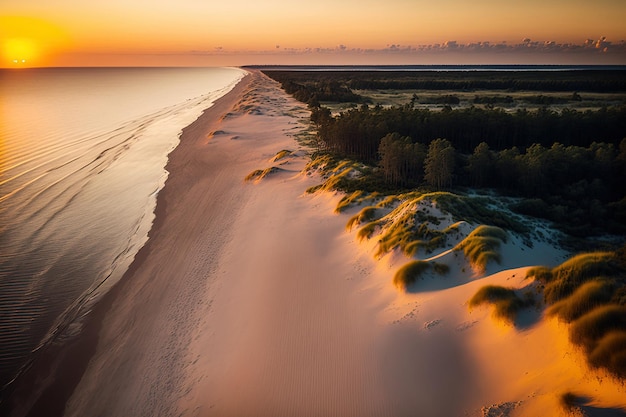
point(82, 157)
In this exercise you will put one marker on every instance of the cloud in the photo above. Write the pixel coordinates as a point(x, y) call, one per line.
point(525, 46)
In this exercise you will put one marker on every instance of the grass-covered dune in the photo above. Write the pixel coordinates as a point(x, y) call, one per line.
point(418, 223)
point(589, 292)
point(413, 271)
point(505, 301)
point(482, 246)
point(259, 174)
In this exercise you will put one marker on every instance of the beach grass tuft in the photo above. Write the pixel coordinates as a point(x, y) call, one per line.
point(585, 298)
point(339, 174)
point(610, 352)
point(540, 273)
point(588, 291)
point(476, 210)
point(259, 174)
point(366, 215)
point(568, 400)
point(409, 274)
point(347, 200)
point(593, 326)
point(563, 280)
point(281, 155)
point(602, 335)
point(367, 231)
point(505, 301)
point(410, 225)
point(482, 246)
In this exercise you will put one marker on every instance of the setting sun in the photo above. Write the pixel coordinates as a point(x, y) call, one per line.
point(200, 33)
point(28, 41)
point(19, 50)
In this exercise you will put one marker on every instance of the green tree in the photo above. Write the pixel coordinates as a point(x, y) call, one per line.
point(401, 160)
point(439, 164)
point(480, 165)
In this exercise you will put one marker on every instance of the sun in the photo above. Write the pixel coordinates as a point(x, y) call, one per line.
point(20, 51)
point(27, 41)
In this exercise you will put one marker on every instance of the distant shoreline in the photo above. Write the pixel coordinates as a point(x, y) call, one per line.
point(489, 67)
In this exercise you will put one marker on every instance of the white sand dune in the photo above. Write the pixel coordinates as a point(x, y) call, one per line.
point(251, 299)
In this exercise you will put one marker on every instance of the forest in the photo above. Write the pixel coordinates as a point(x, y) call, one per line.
point(581, 80)
point(562, 164)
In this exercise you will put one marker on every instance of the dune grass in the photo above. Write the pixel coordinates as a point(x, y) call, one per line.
point(588, 291)
point(409, 238)
point(610, 352)
point(591, 327)
point(259, 174)
point(350, 176)
point(411, 224)
point(585, 298)
point(540, 273)
point(331, 183)
point(602, 335)
point(482, 246)
point(321, 161)
point(562, 281)
point(348, 200)
point(366, 215)
point(397, 234)
point(410, 273)
point(337, 173)
point(477, 210)
point(281, 155)
point(505, 301)
point(568, 400)
point(368, 230)
point(407, 226)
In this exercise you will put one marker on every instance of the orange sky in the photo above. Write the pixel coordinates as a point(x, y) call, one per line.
point(206, 32)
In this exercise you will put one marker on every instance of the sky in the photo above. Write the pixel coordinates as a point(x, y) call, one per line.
point(228, 32)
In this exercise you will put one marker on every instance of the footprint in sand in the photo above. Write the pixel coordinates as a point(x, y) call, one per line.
point(430, 324)
point(465, 325)
point(408, 316)
point(499, 410)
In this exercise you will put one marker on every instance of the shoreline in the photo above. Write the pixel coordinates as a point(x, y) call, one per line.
point(251, 298)
point(75, 354)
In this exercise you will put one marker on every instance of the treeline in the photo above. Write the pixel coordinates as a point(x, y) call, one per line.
point(327, 90)
point(548, 158)
point(579, 188)
point(582, 80)
point(568, 166)
point(357, 132)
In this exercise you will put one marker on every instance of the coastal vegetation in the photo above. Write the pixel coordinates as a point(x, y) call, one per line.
point(558, 162)
point(259, 174)
point(489, 149)
point(481, 246)
point(281, 155)
point(588, 292)
point(549, 81)
point(411, 272)
point(506, 304)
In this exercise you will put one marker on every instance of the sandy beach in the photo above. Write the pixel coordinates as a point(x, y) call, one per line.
point(252, 299)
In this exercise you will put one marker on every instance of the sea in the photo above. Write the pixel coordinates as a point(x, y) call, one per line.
point(82, 158)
